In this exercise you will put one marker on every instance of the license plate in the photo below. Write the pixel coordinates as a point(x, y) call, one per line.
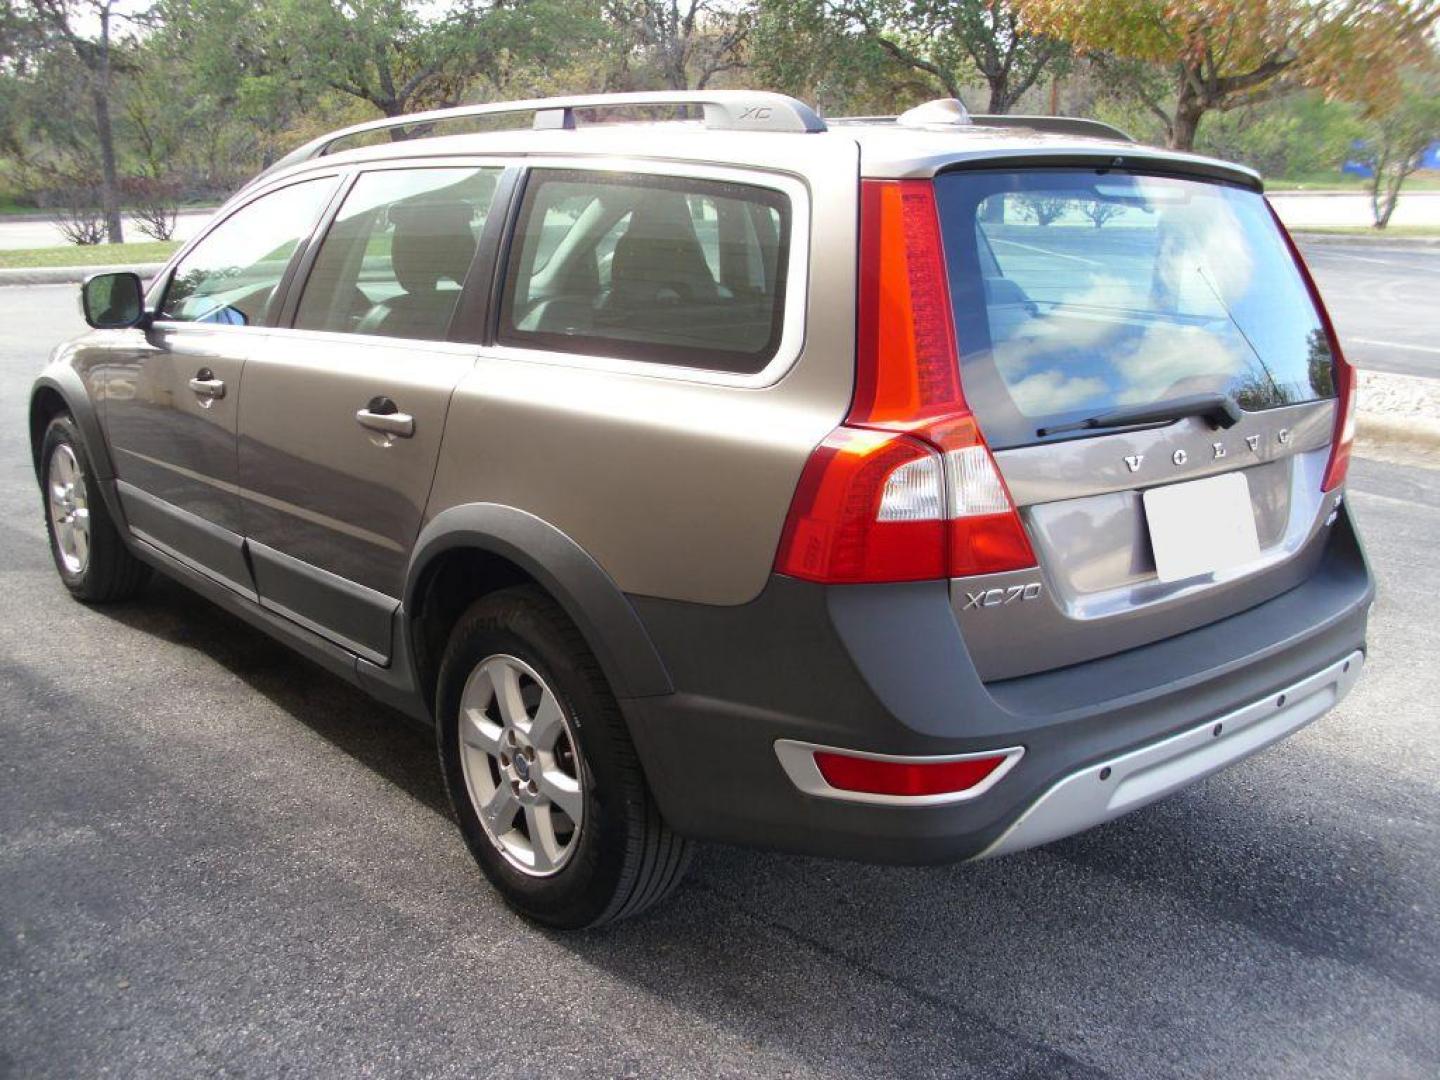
point(1201, 527)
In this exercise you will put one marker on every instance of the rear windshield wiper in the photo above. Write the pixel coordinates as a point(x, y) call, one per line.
point(1220, 409)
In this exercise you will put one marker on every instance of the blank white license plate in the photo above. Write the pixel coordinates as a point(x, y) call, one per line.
point(1201, 527)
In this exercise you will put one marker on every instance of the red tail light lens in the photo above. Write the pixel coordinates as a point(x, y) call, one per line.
point(1344, 437)
point(840, 528)
point(906, 488)
point(871, 776)
point(907, 368)
point(1339, 464)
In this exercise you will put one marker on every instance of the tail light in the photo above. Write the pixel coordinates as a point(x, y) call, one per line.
point(1344, 438)
point(905, 489)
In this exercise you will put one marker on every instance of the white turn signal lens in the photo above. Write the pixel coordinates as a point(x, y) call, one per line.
point(975, 486)
point(913, 492)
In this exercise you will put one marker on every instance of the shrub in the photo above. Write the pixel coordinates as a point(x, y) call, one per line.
point(156, 206)
point(78, 216)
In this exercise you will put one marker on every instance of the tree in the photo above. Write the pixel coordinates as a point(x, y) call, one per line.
point(1043, 209)
point(383, 52)
point(950, 39)
point(684, 44)
point(1220, 54)
point(1401, 133)
point(58, 22)
point(402, 56)
point(1100, 211)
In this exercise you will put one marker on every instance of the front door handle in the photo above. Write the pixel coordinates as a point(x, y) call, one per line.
point(381, 414)
point(206, 385)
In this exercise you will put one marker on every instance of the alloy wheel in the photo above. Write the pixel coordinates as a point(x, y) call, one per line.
point(521, 766)
point(69, 512)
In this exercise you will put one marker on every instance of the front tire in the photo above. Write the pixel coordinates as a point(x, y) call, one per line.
point(89, 553)
point(541, 771)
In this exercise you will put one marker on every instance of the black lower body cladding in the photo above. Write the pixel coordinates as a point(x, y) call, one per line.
point(883, 668)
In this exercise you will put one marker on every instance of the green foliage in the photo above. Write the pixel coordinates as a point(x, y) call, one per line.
point(1299, 135)
point(1398, 136)
point(802, 47)
point(948, 44)
point(204, 93)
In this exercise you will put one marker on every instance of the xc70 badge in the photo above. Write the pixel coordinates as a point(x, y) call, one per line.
point(999, 597)
point(1217, 450)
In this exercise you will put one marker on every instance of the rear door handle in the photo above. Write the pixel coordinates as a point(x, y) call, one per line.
point(380, 414)
point(206, 385)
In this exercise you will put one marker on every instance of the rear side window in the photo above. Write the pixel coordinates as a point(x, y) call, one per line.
point(1078, 291)
point(670, 270)
point(229, 277)
point(395, 259)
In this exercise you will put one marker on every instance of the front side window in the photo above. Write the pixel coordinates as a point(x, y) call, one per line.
point(230, 277)
point(670, 270)
point(1078, 291)
point(395, 259)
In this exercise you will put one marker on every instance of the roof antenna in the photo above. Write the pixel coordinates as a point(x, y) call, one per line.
point(950, 111)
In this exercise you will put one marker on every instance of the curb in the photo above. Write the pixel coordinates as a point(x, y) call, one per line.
point(1383, 428)
point(1372, 237)
point(1341, 193)
point(68, 275)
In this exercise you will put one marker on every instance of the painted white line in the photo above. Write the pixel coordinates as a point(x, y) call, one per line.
point(1365, 258)
point(1396, 345)
point(1409, 504)
point(1046, 251)
point(1318, 253)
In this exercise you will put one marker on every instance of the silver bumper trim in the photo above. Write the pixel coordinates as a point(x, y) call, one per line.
point(1107, 789)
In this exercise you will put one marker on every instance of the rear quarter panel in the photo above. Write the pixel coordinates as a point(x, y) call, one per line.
point(676, 484)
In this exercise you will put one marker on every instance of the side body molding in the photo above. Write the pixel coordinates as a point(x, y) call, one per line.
point(605, 617)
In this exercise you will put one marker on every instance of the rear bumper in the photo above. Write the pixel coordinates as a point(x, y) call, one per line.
point(1106, 789)
point(884, 669)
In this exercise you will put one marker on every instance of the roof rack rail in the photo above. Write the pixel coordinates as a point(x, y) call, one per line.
point(723, 110)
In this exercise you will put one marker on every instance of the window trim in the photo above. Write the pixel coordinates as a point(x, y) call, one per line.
point(160, 286)
point(466, 324)
point(791, 341)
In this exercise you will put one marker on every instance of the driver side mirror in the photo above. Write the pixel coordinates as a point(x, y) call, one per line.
point(113, 301)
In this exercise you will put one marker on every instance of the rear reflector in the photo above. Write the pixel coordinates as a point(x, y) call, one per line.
point(1344, 372)
point(831, 772)
point(905, 489)
point(905, 778)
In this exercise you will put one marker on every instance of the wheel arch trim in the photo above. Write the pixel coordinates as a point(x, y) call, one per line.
point(66, 382)
point(605, 617)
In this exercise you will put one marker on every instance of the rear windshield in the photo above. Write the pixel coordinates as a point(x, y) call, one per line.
point(1077, 291)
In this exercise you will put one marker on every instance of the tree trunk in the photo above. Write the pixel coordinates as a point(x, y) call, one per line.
point(1182, 130)
point(1189, 109)
point(109, 180)
point(999, 94)
point(1386, 196)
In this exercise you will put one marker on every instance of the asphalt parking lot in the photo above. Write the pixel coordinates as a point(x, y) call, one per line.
point(1382, 299)
point(215, 858)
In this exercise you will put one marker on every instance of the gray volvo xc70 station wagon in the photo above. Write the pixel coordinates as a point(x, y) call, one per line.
point(905, 489)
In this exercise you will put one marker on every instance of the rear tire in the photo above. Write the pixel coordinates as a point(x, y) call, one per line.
point(89, 553)
point(611, 855)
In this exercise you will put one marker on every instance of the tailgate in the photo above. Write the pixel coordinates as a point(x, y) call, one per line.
point(1082, 295)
